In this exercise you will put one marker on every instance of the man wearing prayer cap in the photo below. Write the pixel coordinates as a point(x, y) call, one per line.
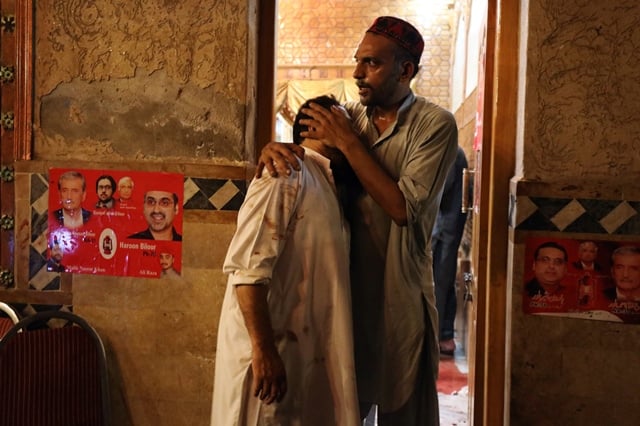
point(401, 147)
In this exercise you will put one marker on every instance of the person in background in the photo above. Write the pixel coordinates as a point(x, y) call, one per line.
point(105, 187)
point(160, 209)
point(445, 242)
point(285, 351)
point(72, 188)
point(401, 147)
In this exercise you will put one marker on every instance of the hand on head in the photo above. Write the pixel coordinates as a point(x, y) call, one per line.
point(331, 127)
point(279, 158)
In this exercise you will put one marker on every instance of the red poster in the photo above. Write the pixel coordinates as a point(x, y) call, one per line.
point(591, 279)
point(115, 222)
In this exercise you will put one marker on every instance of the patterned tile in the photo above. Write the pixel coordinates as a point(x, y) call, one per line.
point(209, 187)
point(577, 215)
point(538, 222)
point(549, 207)
point(224, 194)
point(630, 227)
point(190, 190)
point(45, 281)
point(36, 263)
point(585, 223)
point(568, 214)
point(234, 203)
point(199, 201)
point(41, 203)
point(214, 194)
point(39, 186)
point(524, 208)
point(599, 208)
point(38, 225)
point(618, 216)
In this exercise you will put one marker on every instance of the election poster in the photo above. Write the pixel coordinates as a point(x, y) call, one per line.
point(115, 222)
point(582, 278)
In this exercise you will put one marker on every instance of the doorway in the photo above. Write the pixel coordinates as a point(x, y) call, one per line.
point(306, 53)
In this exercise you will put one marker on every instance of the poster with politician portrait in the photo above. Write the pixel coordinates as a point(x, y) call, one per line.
point(582, 278)
point(115, 222)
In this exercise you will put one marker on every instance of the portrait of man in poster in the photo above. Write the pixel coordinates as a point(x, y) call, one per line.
point(160, 209)
point(72, 192)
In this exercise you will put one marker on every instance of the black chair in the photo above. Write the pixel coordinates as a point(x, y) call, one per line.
point(53, 376)
point(8, 317)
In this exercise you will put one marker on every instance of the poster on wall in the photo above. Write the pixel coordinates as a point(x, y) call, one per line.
point(115, 222)
point(591, 279)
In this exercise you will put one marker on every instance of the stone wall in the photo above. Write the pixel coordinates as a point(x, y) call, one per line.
point(576, 180)
point(140, 80)
point(149, 86)
point(582, 92)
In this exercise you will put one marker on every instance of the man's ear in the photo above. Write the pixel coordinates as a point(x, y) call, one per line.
point(408, 70)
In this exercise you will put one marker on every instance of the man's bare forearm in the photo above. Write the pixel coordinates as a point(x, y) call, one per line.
point(375, 180)
point(252, 300)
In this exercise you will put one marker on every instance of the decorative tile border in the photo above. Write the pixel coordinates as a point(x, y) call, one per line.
point(613, 217)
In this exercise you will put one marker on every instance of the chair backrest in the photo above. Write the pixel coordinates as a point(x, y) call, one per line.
point(53, 376)
point(7, 320)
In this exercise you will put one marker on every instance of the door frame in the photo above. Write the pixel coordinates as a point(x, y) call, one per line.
point(490, 402)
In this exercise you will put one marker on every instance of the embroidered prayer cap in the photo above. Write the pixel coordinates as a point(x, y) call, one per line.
point(401, 32)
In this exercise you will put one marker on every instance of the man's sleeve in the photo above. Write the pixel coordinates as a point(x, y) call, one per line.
point(263, 228)
point(429, 162)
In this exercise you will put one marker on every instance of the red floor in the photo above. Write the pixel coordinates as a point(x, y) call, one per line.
point(450, 378)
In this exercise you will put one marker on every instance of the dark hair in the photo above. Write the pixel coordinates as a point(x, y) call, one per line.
point(325, 101)
point(550, 244)
point(110, 179)
point(402, 55)
point(173, 195)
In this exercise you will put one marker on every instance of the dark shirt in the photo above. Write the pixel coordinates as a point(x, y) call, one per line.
point(449, 224)
point(109, 204)
point(59, 215)
point(534, 288)
point(578, 265)
point(147, 235)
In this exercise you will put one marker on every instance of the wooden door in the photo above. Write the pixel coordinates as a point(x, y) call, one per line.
point(494, 168)
point(16, 43)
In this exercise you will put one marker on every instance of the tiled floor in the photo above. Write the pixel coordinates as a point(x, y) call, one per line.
point(453, 388)
point(454, 408)
point(452, 392)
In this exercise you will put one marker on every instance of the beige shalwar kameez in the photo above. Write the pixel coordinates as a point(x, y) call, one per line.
point(395, 319)
point(292, 237)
